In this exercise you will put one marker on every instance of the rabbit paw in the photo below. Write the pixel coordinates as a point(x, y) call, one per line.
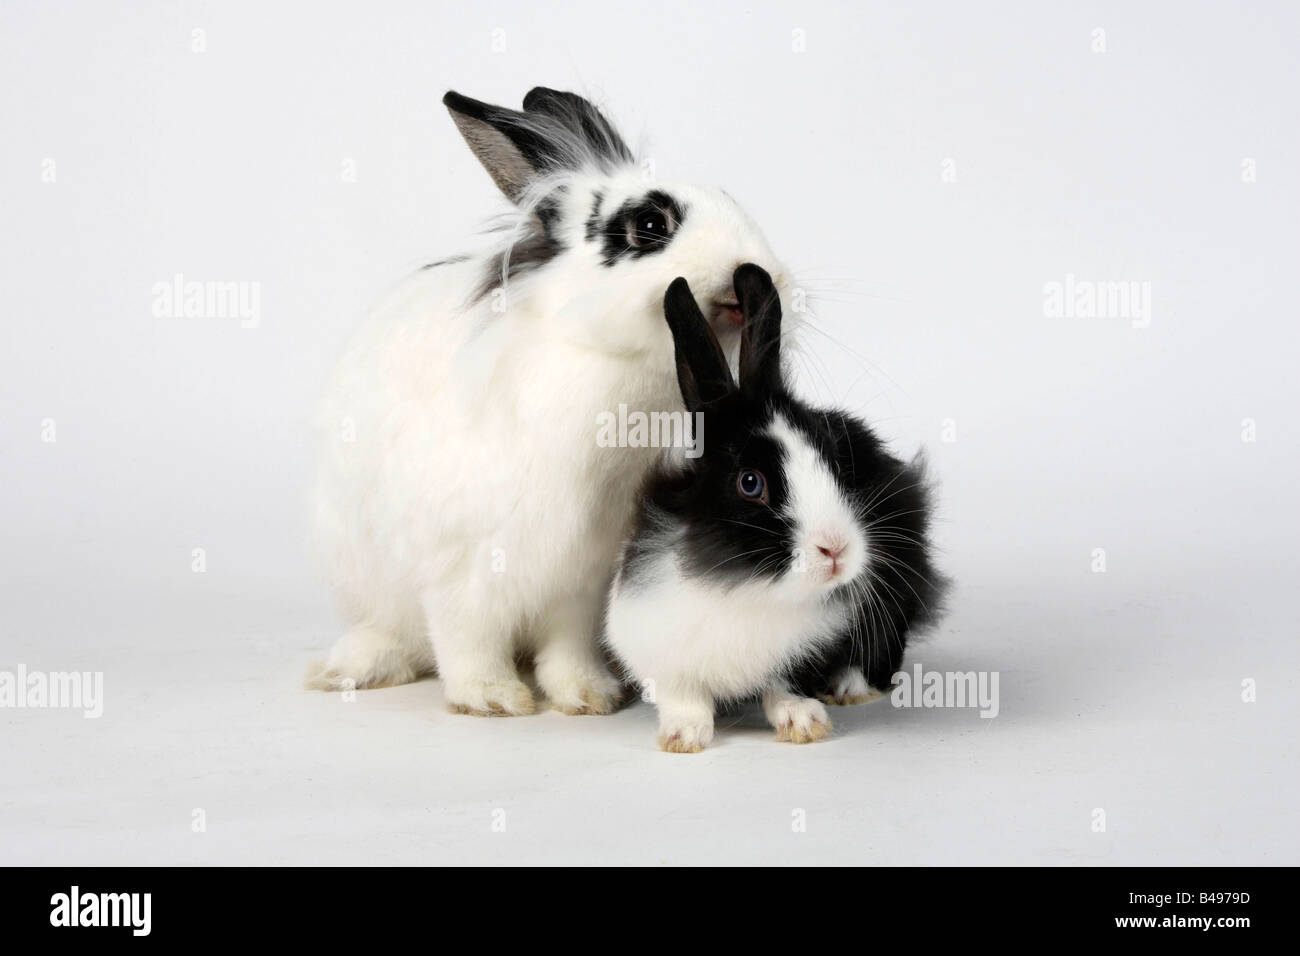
point(685, 723)
point(800, 720)
point(685, 738)
point(365, 658)
point(849, 687)
point(507, 697)
point(594, 693)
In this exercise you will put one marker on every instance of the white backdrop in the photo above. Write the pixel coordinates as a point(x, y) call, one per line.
point(927, 172)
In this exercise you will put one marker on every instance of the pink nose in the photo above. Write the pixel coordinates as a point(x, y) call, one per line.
point(832, 551)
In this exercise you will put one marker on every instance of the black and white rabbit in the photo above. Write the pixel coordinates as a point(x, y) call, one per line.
point(464, 509)
point(789, 560)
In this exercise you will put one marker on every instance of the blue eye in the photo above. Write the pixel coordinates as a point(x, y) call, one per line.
point(752, 485)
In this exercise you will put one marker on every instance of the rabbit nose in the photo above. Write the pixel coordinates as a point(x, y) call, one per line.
point(832, 550)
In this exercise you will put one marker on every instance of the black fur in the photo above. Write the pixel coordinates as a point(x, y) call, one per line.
point(580, 116)
point(702, 371)
point(593, 219)
point(536, 247)
point(722, 536)
point(906, 590)
point(533, 251)
point(623, 227)
point(555, 131)
point(760, 336)
point(450, 260)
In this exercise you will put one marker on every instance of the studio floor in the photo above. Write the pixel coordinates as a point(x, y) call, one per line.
point(1121, 738)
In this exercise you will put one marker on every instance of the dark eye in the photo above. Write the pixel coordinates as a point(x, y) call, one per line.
point(752, 485)
point(649, 225)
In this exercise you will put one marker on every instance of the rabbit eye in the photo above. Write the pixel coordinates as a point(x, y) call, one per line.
point(642, 226)
point(752, 485)
point(648, 226)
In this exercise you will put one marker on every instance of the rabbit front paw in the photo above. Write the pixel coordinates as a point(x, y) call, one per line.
point(500, 697)
point(586, 692)
point(849, 687)
point(800, 720)
point(685, 724)
point(687, 738)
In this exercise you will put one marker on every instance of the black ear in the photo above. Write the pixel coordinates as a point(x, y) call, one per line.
point(581, 116)
point(702, 370)
point(760, 336)
point(513, 147)
point(556, 131)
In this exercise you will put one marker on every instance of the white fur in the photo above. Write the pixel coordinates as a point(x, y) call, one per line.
point(473, 514)
point(692, 642)
point(817, 509)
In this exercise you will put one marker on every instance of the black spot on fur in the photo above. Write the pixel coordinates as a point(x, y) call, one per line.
point(538, 246)
point(593, 220)
point(617, 240)
point(450, 260)
point(547, 211)
point(527, 255)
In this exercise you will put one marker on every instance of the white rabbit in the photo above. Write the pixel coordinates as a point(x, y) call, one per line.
point(464, 507)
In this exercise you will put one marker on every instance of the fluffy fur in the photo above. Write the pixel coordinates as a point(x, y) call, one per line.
point(464, 509)
point(800, 584)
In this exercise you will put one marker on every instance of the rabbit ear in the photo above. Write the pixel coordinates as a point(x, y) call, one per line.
point(702, 370)
point(582, 117)
point(514, 148)
point(760, 336)
point(556, 131)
